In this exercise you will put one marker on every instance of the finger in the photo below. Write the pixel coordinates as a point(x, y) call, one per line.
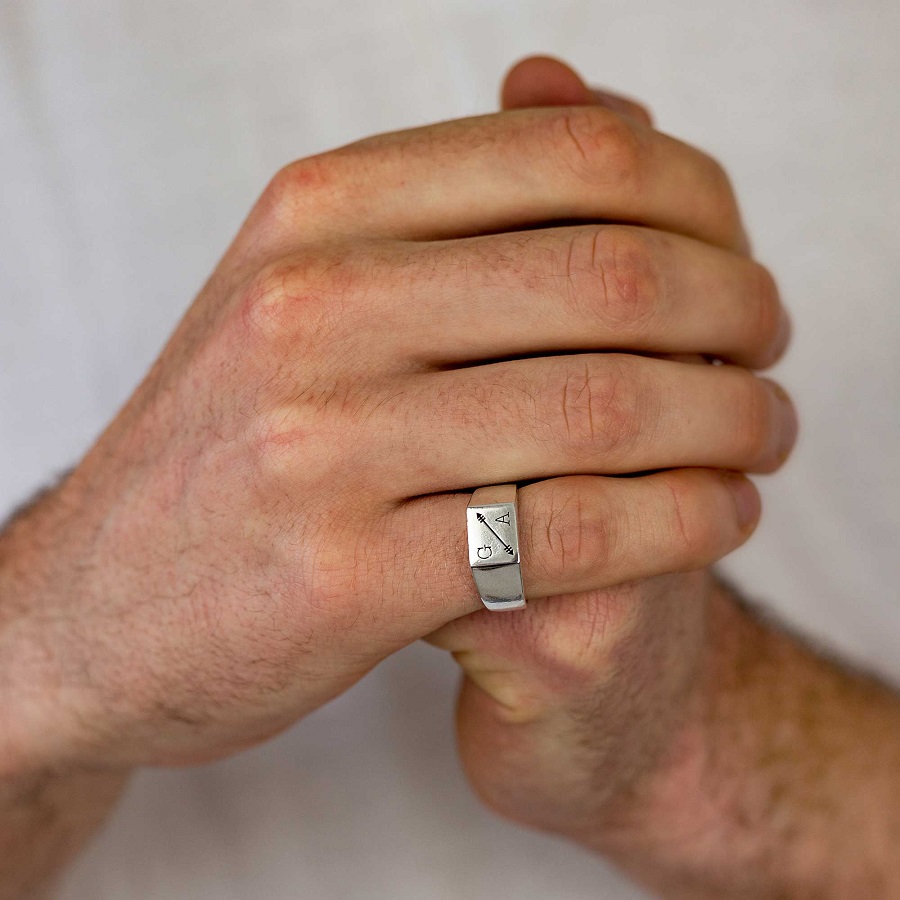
point(580, 414)
point(579, 533)
point(505, 171)
point(545, 81)
point(580, 288)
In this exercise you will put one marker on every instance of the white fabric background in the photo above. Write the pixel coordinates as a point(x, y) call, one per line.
point(134, 137)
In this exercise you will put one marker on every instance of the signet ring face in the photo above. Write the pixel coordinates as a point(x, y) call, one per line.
point(494, 547)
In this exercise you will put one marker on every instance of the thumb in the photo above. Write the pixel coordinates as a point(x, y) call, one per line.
point(545, 81)
point(567, 704)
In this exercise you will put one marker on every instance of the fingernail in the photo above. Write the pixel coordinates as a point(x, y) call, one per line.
point(624, 105)
point(746, 498)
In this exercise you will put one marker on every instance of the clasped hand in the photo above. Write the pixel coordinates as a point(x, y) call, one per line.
point(519, 297)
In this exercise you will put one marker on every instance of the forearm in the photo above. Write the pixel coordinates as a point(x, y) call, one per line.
point(44, 821)
point(47, 811)
point(785, 780)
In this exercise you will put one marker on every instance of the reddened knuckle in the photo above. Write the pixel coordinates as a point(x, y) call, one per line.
point(298, 183)
point(595, 410)
point(597, 145)
point(280, 188)
point(301, 296)
point(302, 434)
point(264, 299)
point(274, 438)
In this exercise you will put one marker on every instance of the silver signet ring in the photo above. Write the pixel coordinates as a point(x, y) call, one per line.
point(494, 547)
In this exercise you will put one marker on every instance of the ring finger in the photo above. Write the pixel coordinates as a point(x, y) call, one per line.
point(576, 534)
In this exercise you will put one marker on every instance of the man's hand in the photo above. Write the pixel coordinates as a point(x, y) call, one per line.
point(659, 722)
point(282, 502)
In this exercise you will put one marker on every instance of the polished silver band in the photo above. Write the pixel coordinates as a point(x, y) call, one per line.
point(494, 547)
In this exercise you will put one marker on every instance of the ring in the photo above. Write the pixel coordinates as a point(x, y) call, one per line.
point(494, 547)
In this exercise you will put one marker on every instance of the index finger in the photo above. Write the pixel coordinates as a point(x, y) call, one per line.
point(511, 170)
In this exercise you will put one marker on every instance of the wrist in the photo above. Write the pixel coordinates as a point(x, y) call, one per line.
point(41, 713)
point(781, 755)
point(681, 816)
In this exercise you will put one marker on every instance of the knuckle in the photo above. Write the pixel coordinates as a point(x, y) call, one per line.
point(598, 146)
point(304, 438)
point(263, 302)
point(274, 437)
point(298, 295)
point(611, 275)
point(566, 537)
point(340, 564)
point(693, 534)
point(294, 186)
point(595, 410)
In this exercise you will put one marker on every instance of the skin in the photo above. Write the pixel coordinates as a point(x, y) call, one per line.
point(385, 308)
point(665, 724)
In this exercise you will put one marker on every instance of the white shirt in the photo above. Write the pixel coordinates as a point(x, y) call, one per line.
point(135, 135)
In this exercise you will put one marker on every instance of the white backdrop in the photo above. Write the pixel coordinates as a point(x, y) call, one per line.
point(133, 138)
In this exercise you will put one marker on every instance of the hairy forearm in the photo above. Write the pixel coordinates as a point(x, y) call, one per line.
point(47, 810)
point(785, 780)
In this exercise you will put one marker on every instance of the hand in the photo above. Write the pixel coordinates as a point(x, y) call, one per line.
point(568, 708)
point(281, 503)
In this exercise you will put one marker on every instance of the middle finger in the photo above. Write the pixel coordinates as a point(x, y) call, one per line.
point(598, 287)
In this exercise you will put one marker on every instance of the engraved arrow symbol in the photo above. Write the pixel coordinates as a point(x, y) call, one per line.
point(484, 522)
